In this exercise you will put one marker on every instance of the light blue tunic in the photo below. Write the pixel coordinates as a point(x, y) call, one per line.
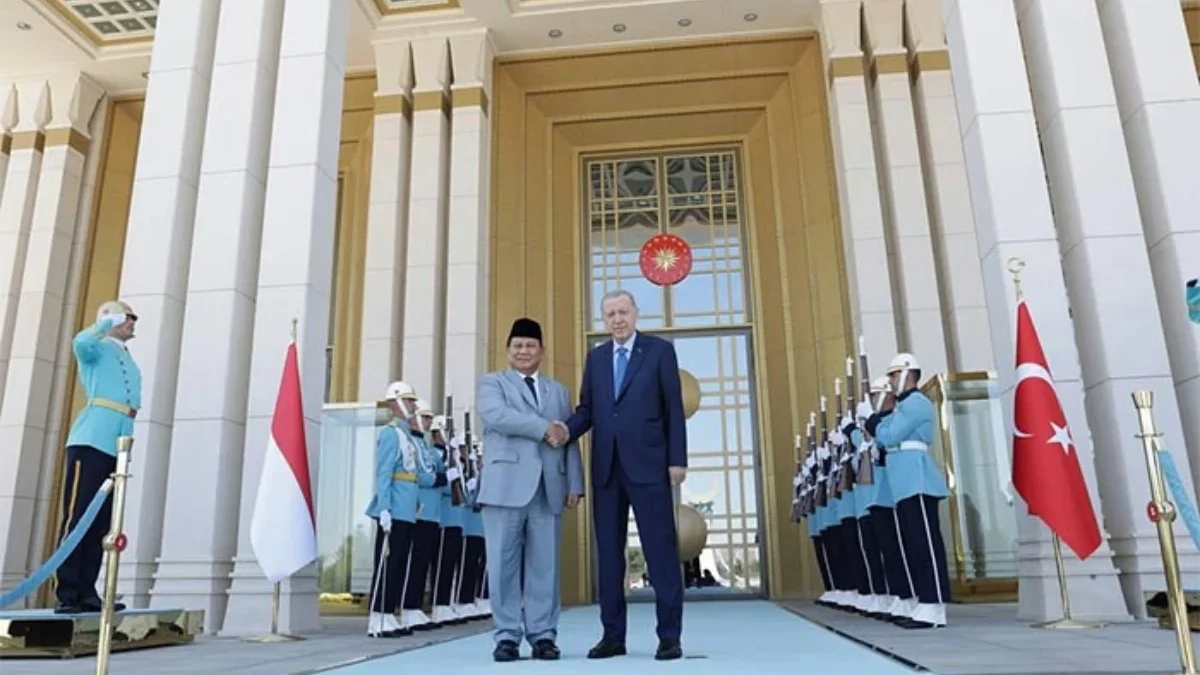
point(833, 511)
point(397, 495)
point(107, 373)
point(430, 497)
point(876, 494)
point(908, 433)
point(847, 508)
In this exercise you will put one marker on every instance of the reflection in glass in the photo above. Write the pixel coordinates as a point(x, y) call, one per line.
point(977, 521)
point(345, 484)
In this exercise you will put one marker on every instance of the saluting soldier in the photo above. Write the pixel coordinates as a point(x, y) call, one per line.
point(427, 534)
point(451, 544)
point(398, 476)
point(917, 486)
point(112, 383)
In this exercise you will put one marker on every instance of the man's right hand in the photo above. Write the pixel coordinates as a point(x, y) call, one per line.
point(558, 434)
point(385, 520)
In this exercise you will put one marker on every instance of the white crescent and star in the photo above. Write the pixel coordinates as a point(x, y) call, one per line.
point(1061, 434)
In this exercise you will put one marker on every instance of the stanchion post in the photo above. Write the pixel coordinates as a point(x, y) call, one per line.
point(1162, 513)
point(114, 542)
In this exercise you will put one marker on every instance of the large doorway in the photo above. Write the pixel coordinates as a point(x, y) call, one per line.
point(696, 195)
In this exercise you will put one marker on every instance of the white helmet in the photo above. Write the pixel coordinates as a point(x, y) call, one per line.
point(903, 361)
point(880, 384)
point(113, 307)
point(423, 408)
point(439, 423)
point(400, 391)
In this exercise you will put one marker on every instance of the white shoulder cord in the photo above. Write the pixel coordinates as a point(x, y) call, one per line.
point(410, 452)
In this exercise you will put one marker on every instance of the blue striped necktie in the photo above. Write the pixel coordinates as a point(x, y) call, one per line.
point(619, 370)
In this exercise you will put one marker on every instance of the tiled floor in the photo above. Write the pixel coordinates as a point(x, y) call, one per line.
point(988, 639)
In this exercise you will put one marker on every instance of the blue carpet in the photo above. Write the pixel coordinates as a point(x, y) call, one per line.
point(718, 637)
point(46, 614)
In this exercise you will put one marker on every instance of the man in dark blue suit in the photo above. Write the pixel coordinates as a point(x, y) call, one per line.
point(632, 403)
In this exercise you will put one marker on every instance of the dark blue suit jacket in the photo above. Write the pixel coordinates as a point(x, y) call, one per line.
point(644, 425)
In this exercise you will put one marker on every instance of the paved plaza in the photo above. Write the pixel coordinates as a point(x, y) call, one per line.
point(719, 637)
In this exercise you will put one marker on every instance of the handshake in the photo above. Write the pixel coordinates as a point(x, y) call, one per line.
point(558, 434)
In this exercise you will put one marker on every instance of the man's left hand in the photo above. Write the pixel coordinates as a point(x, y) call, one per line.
point(677, 474)
point(573, 501)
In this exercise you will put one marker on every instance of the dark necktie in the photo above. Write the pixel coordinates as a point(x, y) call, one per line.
point(532, 388)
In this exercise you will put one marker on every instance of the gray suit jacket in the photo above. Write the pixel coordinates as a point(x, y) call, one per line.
point(514, 455)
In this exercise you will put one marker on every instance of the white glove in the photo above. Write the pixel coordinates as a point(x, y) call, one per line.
point(456, 442)
point(115, 320)
point(472, 483)
point(837, 437)
point(822, 453)
point(797, 480)
point(452, 474)
point(865, 410)
point(385, 520)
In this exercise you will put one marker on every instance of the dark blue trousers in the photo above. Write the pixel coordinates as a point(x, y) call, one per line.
point(924, 548)
point(654, 507)
point(86, 470)
point(883, 522)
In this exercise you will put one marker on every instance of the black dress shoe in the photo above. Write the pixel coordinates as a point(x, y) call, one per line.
point(97, 605)
point(67, 608)
point(668, 650)
point(913, 624)
point(505, 651)
point(545, 650)
point(606, 649)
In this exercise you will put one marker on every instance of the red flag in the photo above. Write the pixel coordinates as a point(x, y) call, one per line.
point(1046, 469)
point(283, 529)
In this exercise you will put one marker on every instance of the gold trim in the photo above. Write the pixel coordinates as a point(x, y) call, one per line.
point(386, 9)
point(430, 100)
point(68, 136)
point(470, 97)
point(846, 66)
point(390, 104)
point(930, 61)
point(65, 519)
point(5, 144)
point(889, 64)
point(23, 140)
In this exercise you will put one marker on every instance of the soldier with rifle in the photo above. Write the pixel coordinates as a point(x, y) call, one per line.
point(466, 593)
point(426, 537)
point(450, 549)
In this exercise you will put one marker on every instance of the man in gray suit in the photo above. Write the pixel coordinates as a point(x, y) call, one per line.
point(528, 479)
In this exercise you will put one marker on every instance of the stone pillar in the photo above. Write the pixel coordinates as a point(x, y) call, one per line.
point(204, 482)
point(424, 365)
point(947, 195)
point(1159, 102)
point(1013, 219)
point(466, 345)
point(154, 270)
point(1099, 231)
point(31, 113)
point(382, 348)
point(295, 274)
point(27, 114)
point(863, 240)
point(902, 186)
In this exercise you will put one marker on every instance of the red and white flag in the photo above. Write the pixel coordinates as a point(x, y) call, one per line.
point(1046, 469)
point(283, 530)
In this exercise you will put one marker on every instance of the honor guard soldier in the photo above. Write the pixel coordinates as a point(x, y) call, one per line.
point(427, 534)
point(873, 503)
point(451, 543)
point(463, 601)
point(112, 383)
point(814, 528)
point(398, 476)
point(832, 533)
point(855, 589)
point(917, 486)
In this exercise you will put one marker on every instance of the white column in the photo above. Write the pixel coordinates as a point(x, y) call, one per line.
point(72, 100)
point(1013, 219)
point(154, 268)
point(948, 197)
point(863, 240)
point(31, 106)
point(294, 277)
point(1158, 97)
point(906, 215)
point(425, 299)
point(387, 222)
point(27, 114)
point(1099, 231)
point(205, 475)
point(466, 345)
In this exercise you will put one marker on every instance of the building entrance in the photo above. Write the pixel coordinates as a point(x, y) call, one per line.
point(694, 194)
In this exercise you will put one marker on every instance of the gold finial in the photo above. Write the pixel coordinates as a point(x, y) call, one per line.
point(1015, 265)
point(1143, 399)
point(295, 322)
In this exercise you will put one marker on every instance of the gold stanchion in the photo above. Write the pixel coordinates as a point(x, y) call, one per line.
point(1162, 513)
point(1065, 623)
point(274, 636)
point(114, 542)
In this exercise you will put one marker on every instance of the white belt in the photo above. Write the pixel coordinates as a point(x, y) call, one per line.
point(914, 445)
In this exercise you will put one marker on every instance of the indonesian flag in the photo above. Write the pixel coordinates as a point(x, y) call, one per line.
point(1046, 469)
point(283, 531)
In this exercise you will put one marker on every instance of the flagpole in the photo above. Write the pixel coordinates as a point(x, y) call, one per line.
point(275, 636)
point(1015, 265)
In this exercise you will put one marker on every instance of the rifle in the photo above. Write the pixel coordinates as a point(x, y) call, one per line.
point(799, 495)
point(846, 480)
point(816, 468)
point(457, 498)
point(866, 465)
point(474, 461)
point(823, 487)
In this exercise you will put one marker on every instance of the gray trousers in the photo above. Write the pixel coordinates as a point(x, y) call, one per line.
point(523, 539)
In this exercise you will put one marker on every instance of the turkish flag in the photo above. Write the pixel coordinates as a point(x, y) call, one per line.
point(1046, 469)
